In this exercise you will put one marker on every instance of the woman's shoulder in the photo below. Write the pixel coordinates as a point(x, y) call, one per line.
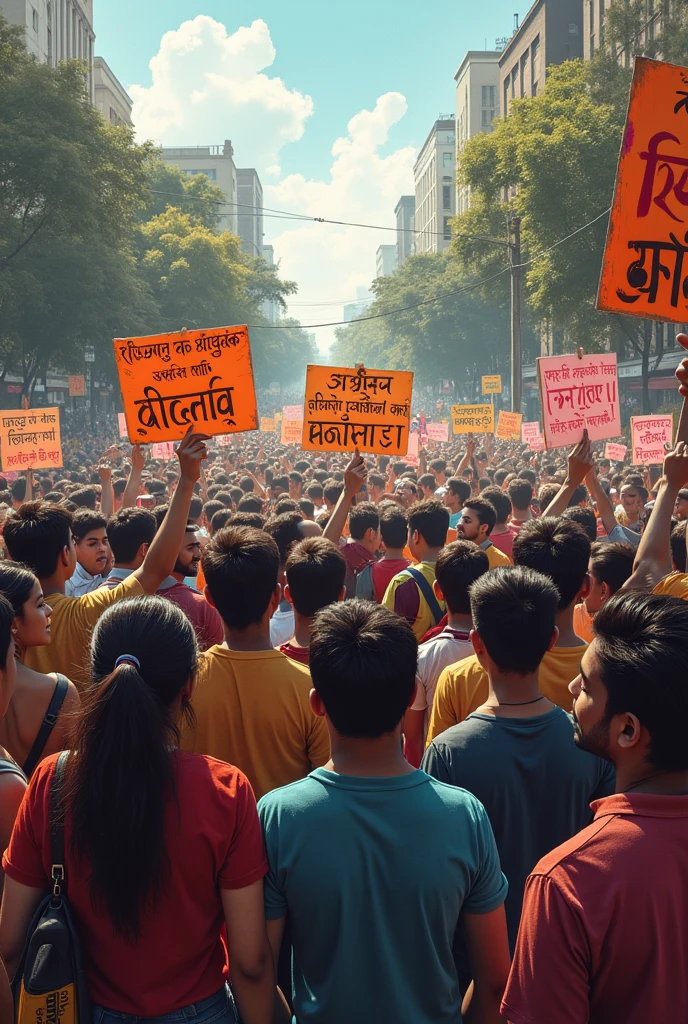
point(208, 774)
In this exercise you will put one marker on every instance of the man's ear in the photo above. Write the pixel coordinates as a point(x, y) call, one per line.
point(65, 556)
point(317, 706)
point(287, 594)
point(585, 589)
point(437, 590)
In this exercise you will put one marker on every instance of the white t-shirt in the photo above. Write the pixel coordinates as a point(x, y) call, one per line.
point(282, 627)
point(448, 647)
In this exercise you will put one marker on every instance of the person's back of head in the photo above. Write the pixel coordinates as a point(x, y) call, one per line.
point(241, 566)
point(611, 563)
point(458, 487)
point(38, 535)
point(500, 501)
point(579, 496)
point(18, 490)
point(226, 498)
point(393, 526)
point(250, 503)
point(438, 466)
point(430, 520)
point(546, 495)
point(84, 497)
point(639, 661)
point(143, 663)
point(500, 476)
point(426, 481)
point(677, 541)
point(331, 491)
point(195, 508)
point(558, 549)
point(286, 504)
point(284, 529)
point(459, 565)
point(514, 611)
point(364, 521)
point(314, 491)
point(246, 484)
point(586, 519)
point(520, 494)
point(530, 475)
point(220, 519)
point(307, 507)
point(127, 531)
point(243, 519)
point(315, 575)
point(363, 667)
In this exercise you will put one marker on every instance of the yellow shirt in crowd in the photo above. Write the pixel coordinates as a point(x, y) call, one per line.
point(582, 623)
point(424, 619)
point(496, 557)
point(673, 585)
point(252, 711)
point(72, 622)
point(463, 687)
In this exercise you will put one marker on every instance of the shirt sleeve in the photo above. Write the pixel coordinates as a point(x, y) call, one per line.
point(552, 944)
point(444, 711)
point(92, 605)
point(407, 601)
point(23, 859)
point(420, 700)
point(245, 861)
point(434, 764)
point(489, 887)
point(213, 630)
point(318, 742)
point(364, 585)
point(607, 782)
point(275, 880)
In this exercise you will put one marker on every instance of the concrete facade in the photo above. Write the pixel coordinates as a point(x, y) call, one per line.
point(385, 260)
point(111, 98)
point(250, 210)
point(477, 105)
point(270, 307)
point(594, 18)
point(56, 30)
point(551, 33)
point(435, 180)
point(405, 213)
point(217, 162)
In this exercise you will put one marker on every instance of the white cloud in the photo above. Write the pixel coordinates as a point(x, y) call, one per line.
point(329, 262)
point(208, 85)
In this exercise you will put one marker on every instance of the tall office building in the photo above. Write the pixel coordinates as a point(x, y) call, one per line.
point(111, 98)
point(405, 212)
point(594, 34)
point(364, 299)
point(217, 163)
point(56, 30)
point(385, 260)
point(435, 174)
point(477, 105)
point(270, 308)
point(250, 210)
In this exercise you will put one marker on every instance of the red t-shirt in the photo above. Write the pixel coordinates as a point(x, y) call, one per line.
point(295, 653)
point(204, 618)
point(505, 542)
point(604, 928)
point(384, 572)
point(213, 841)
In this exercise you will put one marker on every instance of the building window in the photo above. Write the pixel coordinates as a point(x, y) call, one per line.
point(50, 45)
point(489, 93)
point(592, 16)
point(488, 117)
point(49, 12)
point(535, 66)
point(447, 231)
point(514, 76)
point(35, 19)
point(446, 197)
point(447, 159)
point(209, 173)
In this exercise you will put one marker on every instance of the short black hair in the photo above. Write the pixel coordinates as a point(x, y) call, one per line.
point(246, 484)
point(307, 507)
point(485, 511)
point(284, 529)
point(431, 519)
point(500, 501)
point(119, 486)
point(612, 563)
point(210, 508)
point(220, 519)
point(362, 517)
point(315, 574)
point(195, 507)
point(546, 495)
point(36, 534)
point(286, 504)
point(240, 566)
point(363, 666)
point(427, 480)
point(18, 489)
point(558, 549)
point(250, 503)
point(128, 529)
point(84, 497)
point(500, 476)
point(393, 525)
point(520, 494)
point(641, 648)
point(246, 519)
point(315, 492)
point(586, 519)
point(461, 488)
point(530, 475)
point(580, 494)
point(677, 540)
point(85, 520)
point(332, 490)
point(460, 564)
point(439, 465)
point(514, 611)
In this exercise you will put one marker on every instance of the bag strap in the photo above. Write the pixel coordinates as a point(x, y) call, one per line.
point(47, 725)
point(426, 591)
point(57, 829)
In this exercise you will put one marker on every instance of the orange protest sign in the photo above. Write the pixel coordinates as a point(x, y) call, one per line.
point(267, 424)
point(30, 438)
point(76, 387)
point(366, 409)
point(509, 426)
point(198, 378)
point(645, 271)
point(292, 431)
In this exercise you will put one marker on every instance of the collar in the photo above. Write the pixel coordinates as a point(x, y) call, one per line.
point(485, 545)
point(120, 574)
point(643, 805)
point(168, 582)
point(456, 634)
point(84, 575)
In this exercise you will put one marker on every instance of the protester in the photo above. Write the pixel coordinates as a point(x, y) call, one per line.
point(363, 524)
point(521, 498)
point(410, 592)
point(501, 535)
point(315, 574)
point(130, 533)
point(89, 530)
point(478, 519)
point(604, 914)
point(12, 778)
point(162, 847)
point(374, 863)
point(203, 617)
point(40, 716)
point(456, 493)
point(373, 580)
point(611, 565)
point(251, 704)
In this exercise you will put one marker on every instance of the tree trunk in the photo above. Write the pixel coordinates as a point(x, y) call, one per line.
point(647, 343)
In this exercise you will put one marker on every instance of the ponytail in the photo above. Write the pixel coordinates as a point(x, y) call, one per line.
point(120, 776)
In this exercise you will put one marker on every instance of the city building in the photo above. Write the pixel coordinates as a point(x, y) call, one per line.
point(111, 98)
point(385, 260)
point(435, 176)
point(551, 32)
point(405, 212)
point(217, 163)
point(364, 299)
point(594, 18)
point(56, 30)
point(477, 105)
point(270, 308)
point(250, 210)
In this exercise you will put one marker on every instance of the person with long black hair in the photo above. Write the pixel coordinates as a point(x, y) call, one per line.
point(12, 778)
point(163, 847)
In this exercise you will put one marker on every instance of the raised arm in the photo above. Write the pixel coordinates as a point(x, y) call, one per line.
point(107, 494)
point(355, 476)
point(602, 500)
point(133, 488)
point(162, 554)
point(468, 456)
point(580, 464)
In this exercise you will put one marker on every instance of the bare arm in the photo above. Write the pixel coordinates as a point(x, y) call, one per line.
point(488, 949)
point(653, 560)
point(162, 554)
point(252, 970)
point(29, 486)
point(468, 456)
point(19, 904)
point(12, 790)
point(602, 500)
point(133, 488)
point(580, 464)
point(275, 931)
point(6, 1006)
point(354, 477)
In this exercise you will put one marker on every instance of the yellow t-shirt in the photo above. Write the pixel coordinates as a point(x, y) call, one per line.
point(463, 687)
point(424, 620)
point(496, 557)
point(252, 711)
point(582, 623)
point(72, 622)
point(673, 585)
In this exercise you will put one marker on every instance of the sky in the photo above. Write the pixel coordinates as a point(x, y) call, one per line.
point(330, 102)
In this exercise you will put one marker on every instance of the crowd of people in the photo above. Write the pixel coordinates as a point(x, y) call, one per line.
point(351, 739)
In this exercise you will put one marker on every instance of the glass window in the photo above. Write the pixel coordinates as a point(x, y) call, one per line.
point(49, 11)
point(50, 45)
point(447, 232)
point(35, 19)
point(592, 16)
point(446, 197)
point(447, 159)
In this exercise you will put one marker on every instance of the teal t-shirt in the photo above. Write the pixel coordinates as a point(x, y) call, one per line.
point(454, 519)
point(374, 874)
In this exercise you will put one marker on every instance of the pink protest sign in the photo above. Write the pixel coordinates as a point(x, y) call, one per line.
point(579, 394)
point(438, 432)
point(411, 456)
point(529, 430)
point(122, 423)
point(163, 450)
point(649, 435)
point(536, 444)
point(615, 452)
point(292, 412)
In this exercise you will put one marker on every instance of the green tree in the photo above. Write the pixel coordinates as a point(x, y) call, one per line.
point(168, 186)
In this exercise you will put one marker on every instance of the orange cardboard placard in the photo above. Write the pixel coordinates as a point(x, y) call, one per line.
point(198, 378)
point(30, 438)
point(645, 270)
point(77, 388)
point(360, 408)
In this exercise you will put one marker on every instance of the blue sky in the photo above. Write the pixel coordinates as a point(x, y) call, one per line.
point(381, 64)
